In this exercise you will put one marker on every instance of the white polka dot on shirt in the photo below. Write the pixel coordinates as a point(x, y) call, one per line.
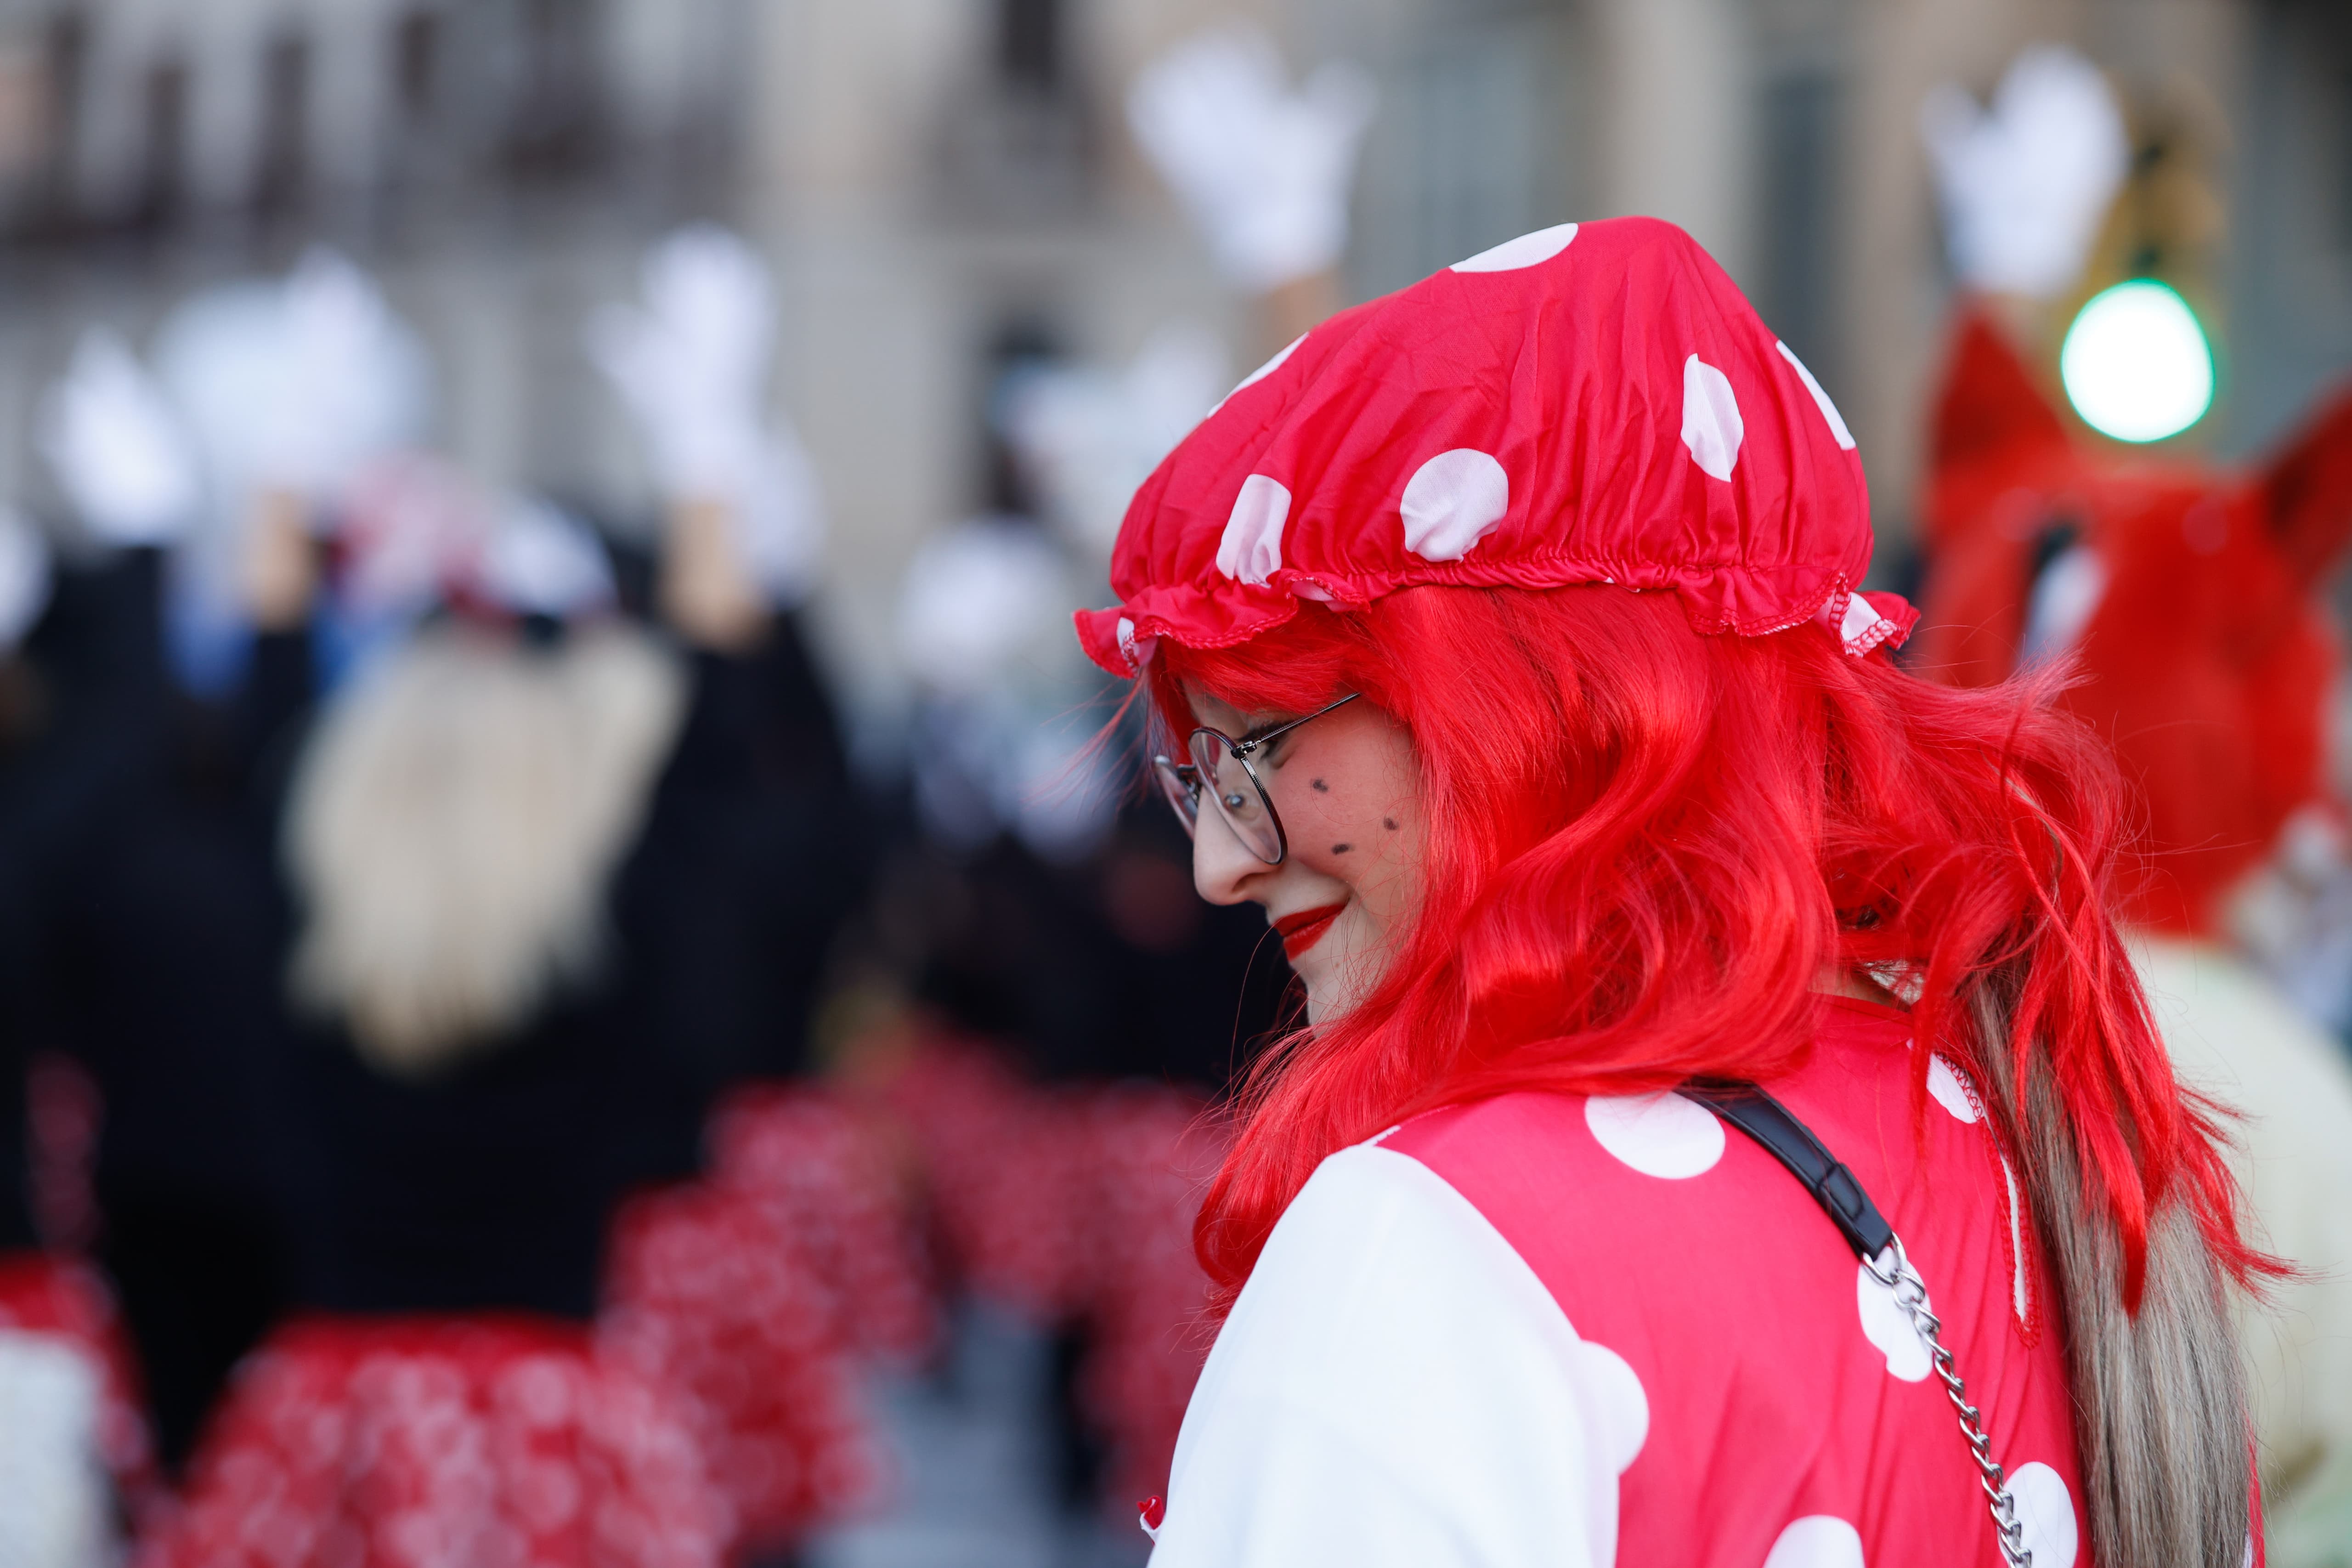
point(2020, 1286)
point(2046, 1510)
point(1528, 250)
point(1661, 1135)
point(1452, 502)
point(1950, 1090)
point(1816, 1541)
point(1712, 428)
point(1885, 1324)
point(1613, 1396)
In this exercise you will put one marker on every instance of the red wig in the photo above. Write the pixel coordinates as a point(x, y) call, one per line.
point(1645, 846)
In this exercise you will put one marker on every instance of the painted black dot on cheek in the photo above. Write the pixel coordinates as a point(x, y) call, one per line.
point(1322, 788)
point(1388, 823)
point(1341, 849)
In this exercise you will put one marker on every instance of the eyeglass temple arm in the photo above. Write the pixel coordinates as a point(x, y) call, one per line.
point(1243, 747)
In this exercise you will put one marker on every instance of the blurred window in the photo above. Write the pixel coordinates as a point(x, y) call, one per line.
point(24, 107)
point(65, 49)
point(1803, 123)
point(1029, 43)
point(162, 171)
point(1016, 144)
point(2288, 335)
point(1023, 343)
point(416, 63)
point(2341, 100)
point(1473, 145)
point(284, 169)
point(556, 125)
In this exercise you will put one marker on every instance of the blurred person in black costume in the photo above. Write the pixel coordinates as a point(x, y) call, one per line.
point(242, 1169)
point(157, 925)
point(1199, 994)
point(1109, 968)
point(1094, 971)
point(1054, 909)
point(28, 777)
point(559, 877)
point(163, 929)
point(757, 843)
point(507, 838)
point(523, 979)
point(76, 1455)
point(1030, 906)
point(638, 849)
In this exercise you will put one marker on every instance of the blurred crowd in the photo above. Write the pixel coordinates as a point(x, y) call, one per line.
point(489, 1070)
point(486, 1081)
point(424, 915)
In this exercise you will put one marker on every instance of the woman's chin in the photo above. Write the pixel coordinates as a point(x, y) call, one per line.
point(1327, 984)
point(1317, 984)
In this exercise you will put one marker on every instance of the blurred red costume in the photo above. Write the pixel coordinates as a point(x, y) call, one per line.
point(390, 1442)
point(2207, 656)
point(752, 1293)
point(51, 1304)
point(1074, 1205)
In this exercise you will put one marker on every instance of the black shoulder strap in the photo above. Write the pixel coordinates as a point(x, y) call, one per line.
point(1792, 1143)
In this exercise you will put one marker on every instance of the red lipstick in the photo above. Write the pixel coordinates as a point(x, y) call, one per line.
point(1305, 929)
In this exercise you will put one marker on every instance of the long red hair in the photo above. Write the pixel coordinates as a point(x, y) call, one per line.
point(1644, 845)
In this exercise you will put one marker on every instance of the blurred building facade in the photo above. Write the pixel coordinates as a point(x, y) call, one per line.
point(946, 183)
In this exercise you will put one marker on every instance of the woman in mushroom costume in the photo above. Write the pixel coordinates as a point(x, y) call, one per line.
point(1507, 635)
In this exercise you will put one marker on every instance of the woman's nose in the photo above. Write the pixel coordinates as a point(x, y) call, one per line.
point(1224, 870)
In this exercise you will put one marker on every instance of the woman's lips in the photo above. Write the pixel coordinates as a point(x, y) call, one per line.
point(1305, 929)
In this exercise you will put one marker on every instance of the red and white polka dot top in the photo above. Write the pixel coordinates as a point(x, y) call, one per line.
point(1546, 1329)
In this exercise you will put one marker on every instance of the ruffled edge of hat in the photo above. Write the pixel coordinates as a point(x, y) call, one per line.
point(1121, 639)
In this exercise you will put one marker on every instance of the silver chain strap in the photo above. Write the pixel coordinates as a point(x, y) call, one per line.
point(1893, 1270)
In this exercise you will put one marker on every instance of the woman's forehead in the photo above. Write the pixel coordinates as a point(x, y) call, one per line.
point(1218, 714)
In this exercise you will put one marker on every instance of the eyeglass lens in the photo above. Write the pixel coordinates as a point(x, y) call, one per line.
point(1183, 797)
point(1229, 785)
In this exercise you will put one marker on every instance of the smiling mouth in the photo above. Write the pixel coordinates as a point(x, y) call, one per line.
point(1305, 929)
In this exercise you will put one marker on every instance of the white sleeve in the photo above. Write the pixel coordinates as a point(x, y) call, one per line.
point(1396, 1387)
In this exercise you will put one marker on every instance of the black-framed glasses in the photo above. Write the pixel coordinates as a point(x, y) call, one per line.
point(1220, 766)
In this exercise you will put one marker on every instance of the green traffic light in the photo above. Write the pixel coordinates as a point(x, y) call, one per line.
point(2136, 363)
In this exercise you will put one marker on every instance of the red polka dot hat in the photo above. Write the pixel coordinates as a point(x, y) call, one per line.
point(1593, 403)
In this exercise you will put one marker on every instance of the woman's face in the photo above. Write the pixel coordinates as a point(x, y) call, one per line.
point(1349, 794)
